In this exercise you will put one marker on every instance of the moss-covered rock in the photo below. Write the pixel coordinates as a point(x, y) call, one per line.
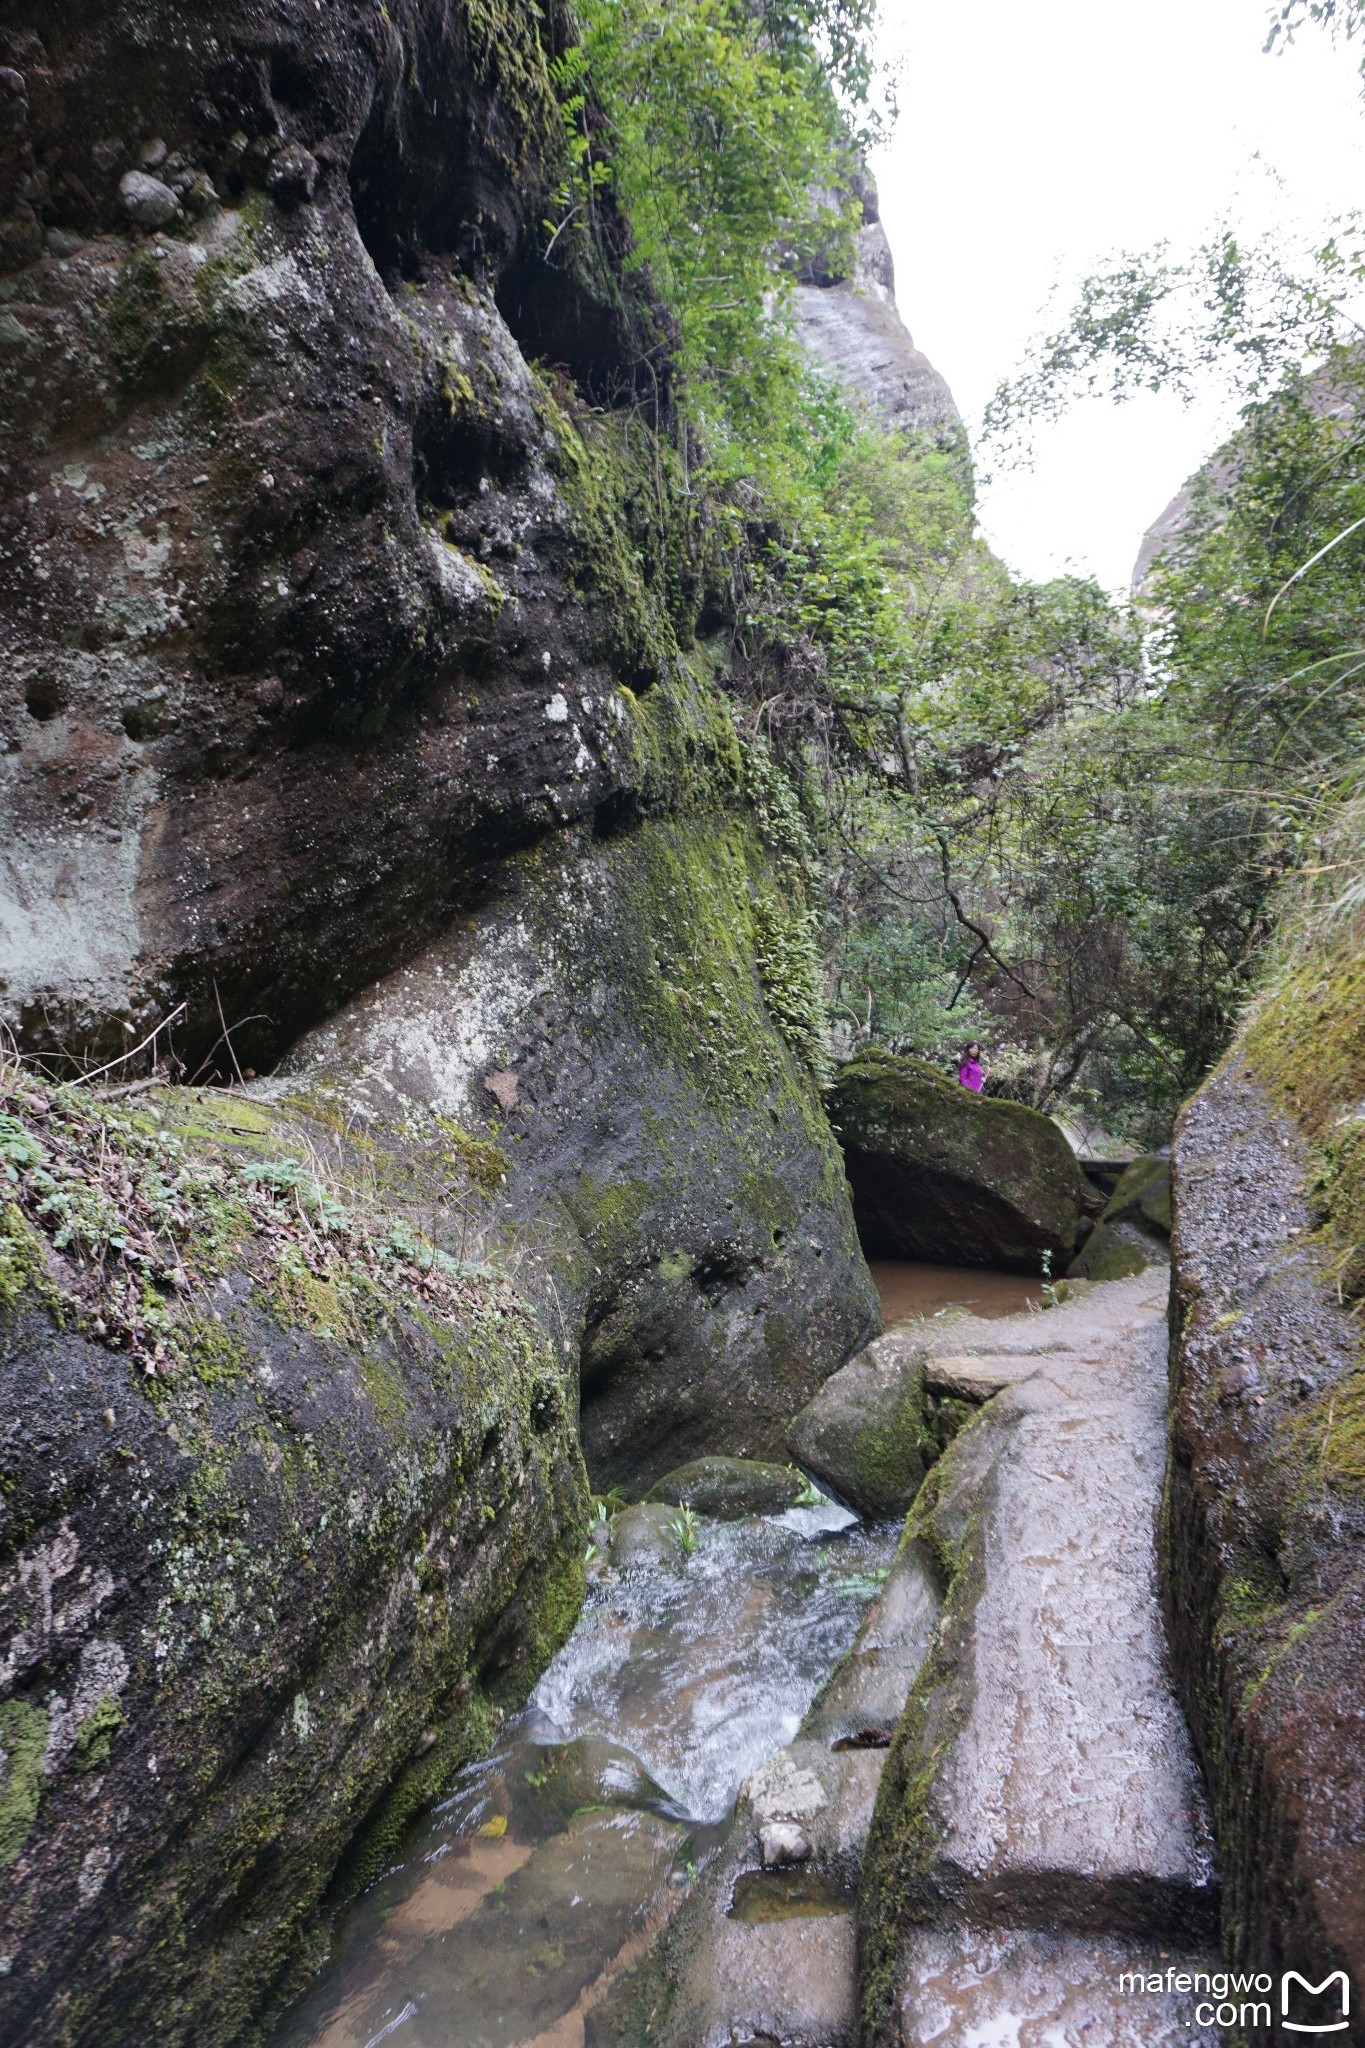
point(865, 1433)
point(673, 1189)
point(650, 1534)
point(275, 1553)
point(730, 1488)
point(940, 1173)
point(1134, 1229)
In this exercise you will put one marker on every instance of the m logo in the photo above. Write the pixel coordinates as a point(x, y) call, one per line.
point(1307, 1990)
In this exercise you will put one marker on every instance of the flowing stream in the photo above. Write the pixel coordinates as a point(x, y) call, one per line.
point(512, 1906)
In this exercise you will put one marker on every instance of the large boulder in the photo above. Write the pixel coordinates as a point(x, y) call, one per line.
point(674, 1196)
point(940, 1173)
point(864, 1434)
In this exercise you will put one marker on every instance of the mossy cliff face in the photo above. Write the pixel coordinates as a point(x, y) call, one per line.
point(674, 1198)
point(1265, 1507)
point(271, 1564)
point(940, 1173)
point(348, 650)
point(314, 598)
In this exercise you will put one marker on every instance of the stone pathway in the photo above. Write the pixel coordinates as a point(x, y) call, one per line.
point(1040, 1828)
point(1051, 1769)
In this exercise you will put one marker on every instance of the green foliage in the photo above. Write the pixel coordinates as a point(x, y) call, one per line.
point(724, 132)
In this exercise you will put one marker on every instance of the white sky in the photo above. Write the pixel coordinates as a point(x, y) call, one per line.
point(1036, 139)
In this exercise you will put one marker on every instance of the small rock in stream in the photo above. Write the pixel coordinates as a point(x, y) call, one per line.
point(730, 1488)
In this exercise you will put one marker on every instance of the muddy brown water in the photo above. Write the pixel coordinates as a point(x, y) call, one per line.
point(908, 1290)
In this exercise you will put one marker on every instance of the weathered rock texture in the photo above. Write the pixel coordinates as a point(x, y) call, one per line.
point(1265, 1519)
point(940, 1173)
point(310, 610)
point(850, 324)
point(674, 1199)
point(258, 1603)
point(343, 651)
point(864, 1433)
point(1134, 1229)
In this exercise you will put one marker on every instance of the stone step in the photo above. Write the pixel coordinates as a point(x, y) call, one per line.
point(968, 1987)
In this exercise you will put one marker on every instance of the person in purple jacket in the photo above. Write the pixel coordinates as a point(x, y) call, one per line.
point(970, 1072)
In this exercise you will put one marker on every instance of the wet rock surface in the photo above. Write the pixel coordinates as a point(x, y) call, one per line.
point(258, 1607)
point(727, 1488)
point(1041, 1780)
point(673, 1196)
point(863, 1434)
point(940, 1173)
point(1134, 1229)
point(333, 641)
point(992, 1986)
point(649, 1534)
point(701, 1668)
point(765, 1947)
point(1264, 1533)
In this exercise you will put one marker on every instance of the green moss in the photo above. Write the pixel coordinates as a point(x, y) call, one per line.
point(21, 1253)
point(464, 1732)
point(23, 1742)
point(1318, 1000)
point(608, 1214)
point(213, 1350)
point(602, 466)
point(95, 1736)
point(384, 1385)
point(1326, 1439)
point(561, 1587)
point(1108, 1254)
point(898, 1888)
point(481, 1160)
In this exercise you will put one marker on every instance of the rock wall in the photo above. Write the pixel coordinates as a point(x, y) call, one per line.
point(297, 548)
point(675, 1201)
point(851, 325)
point(1265, 1515)
point(351, 688)
point(285, 1522)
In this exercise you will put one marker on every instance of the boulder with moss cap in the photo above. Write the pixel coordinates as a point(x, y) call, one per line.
point(940, 1173)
